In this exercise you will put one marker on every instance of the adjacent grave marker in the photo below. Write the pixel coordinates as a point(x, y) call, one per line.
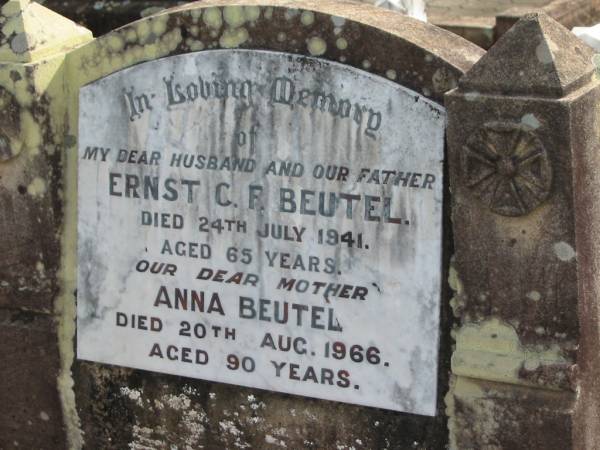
point(263, 219)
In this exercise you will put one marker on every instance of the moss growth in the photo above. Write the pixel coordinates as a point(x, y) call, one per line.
point(316, 46)
point(491, 350)
point(233, 38)
point(212, 17)
point(307, 18)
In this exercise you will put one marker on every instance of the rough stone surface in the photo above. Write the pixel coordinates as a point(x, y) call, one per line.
point(502, 416)
point(585, 124)
point(536, 57)
point(479, 30)
point(480, 22)
point(28, 32)
point(29, 200)
point(30, 409)
point(476, 8)
point(30, 164)
point(34, 401)
point(519, 274)
point(124, 408)
point(528, 294)
point(534, 324)
point(537, 300)
point(29, 206)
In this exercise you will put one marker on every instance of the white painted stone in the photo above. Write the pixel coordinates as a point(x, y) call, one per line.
point(589, 35)
point(375, 124)
point(412, 8)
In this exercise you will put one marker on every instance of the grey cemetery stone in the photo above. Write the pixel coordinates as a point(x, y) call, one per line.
point(311, 121)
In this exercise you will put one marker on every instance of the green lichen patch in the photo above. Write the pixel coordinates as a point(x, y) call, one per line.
point(233, 38)
point(341, 43)
point(491, 350)
point(307, 18)
point(30, 32)
point(316, 46)
point(234, 16)
point(212, 17)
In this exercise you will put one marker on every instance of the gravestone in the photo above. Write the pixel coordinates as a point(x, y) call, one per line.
point(260, 203)
point(246, 217)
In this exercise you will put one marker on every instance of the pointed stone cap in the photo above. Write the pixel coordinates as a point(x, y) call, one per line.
point(536, 57)
point(29, 32)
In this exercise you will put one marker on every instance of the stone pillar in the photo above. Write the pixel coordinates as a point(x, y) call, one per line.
point(34, 368)
point(523, 160)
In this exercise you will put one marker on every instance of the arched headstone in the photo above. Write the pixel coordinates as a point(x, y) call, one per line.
point(324, 119)
point(260, 199)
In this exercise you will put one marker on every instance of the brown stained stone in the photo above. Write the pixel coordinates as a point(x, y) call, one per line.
point(585, 124)
point(123, 408)
point(537, 57)
point(29, 253)
point(10, 128)
point(505, 263)
point(422, 57)
point(29, 224)
point(571, 13)
point(524, 210)
point(102, 17)
point(479, 30)
point(506, 417)
point(30, 409)
point(30, 194)
point(508, 18)
point(515, 248)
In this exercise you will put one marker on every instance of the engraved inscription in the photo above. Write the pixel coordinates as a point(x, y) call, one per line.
point(264, 220)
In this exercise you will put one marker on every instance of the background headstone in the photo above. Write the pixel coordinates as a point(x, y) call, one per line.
point(412, 8)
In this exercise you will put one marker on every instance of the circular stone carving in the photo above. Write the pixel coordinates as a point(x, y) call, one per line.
point(507, 167)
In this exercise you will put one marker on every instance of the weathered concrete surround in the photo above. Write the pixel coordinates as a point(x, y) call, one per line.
point(524, 277)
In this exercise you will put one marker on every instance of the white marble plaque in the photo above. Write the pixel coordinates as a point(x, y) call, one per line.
point(265, 220)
